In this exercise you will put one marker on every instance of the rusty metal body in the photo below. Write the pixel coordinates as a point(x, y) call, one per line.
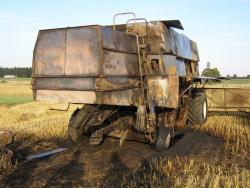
point(96, 65)
point(228, 98)
point(136, 76)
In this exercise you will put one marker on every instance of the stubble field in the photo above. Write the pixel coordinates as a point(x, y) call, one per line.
point(214, 155)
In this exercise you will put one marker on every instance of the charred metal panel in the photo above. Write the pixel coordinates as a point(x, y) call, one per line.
point(215, 98)
point(126, 97)
point(173, 65)
point(180, 67)
point(165, 40)
point(85, 84)
point(85, 97)
point(82, 52)
point(114, 83)
point(65, 83)
point(164, 92)
point(118, 40)
point(184, 47)
point(159, 38)
point(117, 63)
point(170, 66)
point(120, 97)
point(238, 98)
point(231, 99)
point(49, 52)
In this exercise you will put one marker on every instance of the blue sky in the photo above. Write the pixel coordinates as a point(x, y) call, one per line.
point(220, 27)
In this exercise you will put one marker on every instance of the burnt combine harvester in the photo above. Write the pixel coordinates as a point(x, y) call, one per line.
point(135, 79)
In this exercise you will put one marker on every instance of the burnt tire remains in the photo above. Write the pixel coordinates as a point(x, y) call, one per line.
point(79, 120)
point(93, 121)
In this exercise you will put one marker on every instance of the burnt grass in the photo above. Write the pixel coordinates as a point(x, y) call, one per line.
point(109, 164)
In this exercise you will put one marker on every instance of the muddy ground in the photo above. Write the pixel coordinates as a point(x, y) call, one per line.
point(107, 164)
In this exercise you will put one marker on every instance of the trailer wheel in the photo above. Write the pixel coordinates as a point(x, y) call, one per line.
point(163, 138)
point(74, 134)
point(197, 111)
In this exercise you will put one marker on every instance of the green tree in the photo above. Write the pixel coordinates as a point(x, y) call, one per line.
point(17, 71)
point(214, 72)
point(235, 76)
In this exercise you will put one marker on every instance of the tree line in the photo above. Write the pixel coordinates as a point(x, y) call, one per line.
point(214, 72)
point(24, 72)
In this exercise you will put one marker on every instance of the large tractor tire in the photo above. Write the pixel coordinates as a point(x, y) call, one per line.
point(163, 138)
point(197, 110)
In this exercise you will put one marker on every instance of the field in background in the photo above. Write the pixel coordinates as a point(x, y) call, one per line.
point(15, 91)
point(236, 81)
point(233, 83)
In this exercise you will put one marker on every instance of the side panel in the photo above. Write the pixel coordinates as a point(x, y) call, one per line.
point(82, 51)
point(106, 84)
point(49, 53)
point(64, 83)
point(120, 97)
point(165, 40)
point(117, 40)
point(87, 97)
point(180, 67)
point(77, 59)
point(159, 38)
point(184, 47)
point(164, 92)
point(67, 51)
point(120, 64)
point(228, 99)
point(85, 84)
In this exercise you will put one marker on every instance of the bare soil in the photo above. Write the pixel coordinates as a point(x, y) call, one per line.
point(108, 164)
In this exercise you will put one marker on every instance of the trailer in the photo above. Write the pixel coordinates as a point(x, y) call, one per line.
point(228, 98)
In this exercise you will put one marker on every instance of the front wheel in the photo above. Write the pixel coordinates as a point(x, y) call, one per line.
point(197, 110)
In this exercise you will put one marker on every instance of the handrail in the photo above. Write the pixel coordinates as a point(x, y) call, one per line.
point(138, 19)
point(121, 14)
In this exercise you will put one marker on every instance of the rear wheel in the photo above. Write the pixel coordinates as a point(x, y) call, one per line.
point(163, 138)
point(197, 110)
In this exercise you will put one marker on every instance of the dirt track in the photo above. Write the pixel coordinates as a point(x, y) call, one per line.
point(83, 164)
